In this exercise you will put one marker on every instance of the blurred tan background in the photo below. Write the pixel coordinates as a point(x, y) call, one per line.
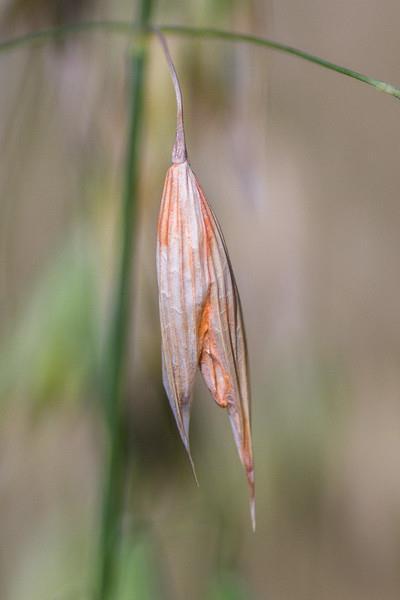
point(301, 166)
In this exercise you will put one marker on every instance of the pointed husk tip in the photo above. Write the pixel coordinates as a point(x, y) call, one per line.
point(252, 496)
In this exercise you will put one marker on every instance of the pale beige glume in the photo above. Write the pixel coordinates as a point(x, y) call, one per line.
point(201, 318)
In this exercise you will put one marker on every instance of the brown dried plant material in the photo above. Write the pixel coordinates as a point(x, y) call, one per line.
point(201, 318)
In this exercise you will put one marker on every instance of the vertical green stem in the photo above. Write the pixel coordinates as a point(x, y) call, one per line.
point(119, 327)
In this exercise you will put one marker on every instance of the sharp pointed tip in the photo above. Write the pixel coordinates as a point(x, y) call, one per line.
point(193, 467)
point(182, 416)
point(189, 454)
point(253, 513)
point(252, 493)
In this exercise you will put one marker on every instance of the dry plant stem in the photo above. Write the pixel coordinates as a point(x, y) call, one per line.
point(119, 325)
point(126, 28)
point(179, 152)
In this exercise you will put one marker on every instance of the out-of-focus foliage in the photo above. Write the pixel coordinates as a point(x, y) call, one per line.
point(228, 587)
point(40, 12)
point(138, 574)
point(52, 350)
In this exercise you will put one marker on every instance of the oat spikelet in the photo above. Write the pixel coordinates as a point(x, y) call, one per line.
point(200, 313)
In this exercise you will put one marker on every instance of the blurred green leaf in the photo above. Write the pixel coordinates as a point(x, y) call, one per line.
point(51, 352)
point(228, 586)
point(137, 577)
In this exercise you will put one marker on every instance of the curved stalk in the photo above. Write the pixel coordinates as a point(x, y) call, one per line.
point(179, 152)
point(122, 27)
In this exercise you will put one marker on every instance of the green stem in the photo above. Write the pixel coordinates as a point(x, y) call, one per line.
point(382, 86)
point(119, 326)
point(126, 28)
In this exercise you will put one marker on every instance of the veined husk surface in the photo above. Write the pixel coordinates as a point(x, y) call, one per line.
point(200, 312)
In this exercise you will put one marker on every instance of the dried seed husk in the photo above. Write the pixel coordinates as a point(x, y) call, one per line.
point(200, 311)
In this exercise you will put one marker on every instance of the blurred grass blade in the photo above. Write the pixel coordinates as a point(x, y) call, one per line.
point(137, 570)
point(119, 327)
point(126, 28)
